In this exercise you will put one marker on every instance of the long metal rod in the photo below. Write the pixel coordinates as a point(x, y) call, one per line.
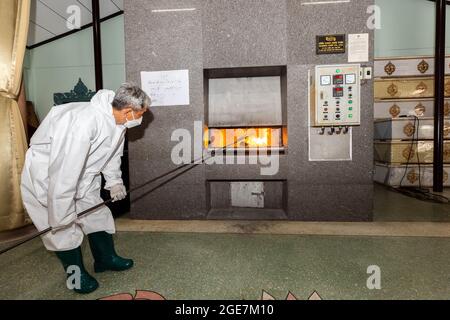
point(193, 164)
point(96, 22)
point(439, 94)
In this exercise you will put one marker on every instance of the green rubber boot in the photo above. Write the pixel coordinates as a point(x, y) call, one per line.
point(106, 258)
point(74, 257)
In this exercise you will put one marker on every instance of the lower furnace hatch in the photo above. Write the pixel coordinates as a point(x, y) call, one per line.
point(247, 200)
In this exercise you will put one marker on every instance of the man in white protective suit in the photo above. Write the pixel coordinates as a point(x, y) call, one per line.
point(62, 177)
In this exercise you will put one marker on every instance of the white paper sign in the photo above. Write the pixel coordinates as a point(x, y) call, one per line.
point(358, 47)
point(167, 88)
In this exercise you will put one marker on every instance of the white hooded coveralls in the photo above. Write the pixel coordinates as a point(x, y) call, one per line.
point(61, 176)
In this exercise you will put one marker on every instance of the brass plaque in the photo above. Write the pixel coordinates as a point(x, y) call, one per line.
point(330, 44)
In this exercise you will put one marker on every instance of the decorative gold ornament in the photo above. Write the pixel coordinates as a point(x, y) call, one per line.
point(420, 109)
point(392, 90)
point(446, 128)
point(446, 152)
point(394, 110)
point(447, 88)
point(421, 87)
point(409, 153)
point(412, 176)
point(389, 68)
point(423, 66)
point(409, 129)
point(447, 109)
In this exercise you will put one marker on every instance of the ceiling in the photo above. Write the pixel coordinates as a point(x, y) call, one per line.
point(48, 17)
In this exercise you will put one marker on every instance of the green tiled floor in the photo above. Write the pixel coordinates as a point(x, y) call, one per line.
point(218, 266)
point(393, 206)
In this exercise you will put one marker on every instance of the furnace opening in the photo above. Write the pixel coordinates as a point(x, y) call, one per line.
point(246, 108)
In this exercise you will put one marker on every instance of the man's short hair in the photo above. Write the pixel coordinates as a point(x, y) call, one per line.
point(130, 95)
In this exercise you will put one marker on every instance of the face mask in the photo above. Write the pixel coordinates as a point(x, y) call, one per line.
point(133, 123)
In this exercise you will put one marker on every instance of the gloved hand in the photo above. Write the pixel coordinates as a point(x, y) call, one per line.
point(118, 192)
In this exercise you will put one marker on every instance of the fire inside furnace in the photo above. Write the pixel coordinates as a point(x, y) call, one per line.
point(245, 138)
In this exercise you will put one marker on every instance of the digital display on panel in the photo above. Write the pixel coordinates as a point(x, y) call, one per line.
point(338, 92)
point(338, 79)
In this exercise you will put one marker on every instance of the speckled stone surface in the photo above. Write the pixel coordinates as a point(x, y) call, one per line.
point(307, 21)
point(240, 33)
point(206, 266)
point(165, 41)
point(244, 33)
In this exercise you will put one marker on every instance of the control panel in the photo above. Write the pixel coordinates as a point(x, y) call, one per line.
point(337, 95)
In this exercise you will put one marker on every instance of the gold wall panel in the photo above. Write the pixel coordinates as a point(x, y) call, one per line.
point(407, 88)
point(399, 152)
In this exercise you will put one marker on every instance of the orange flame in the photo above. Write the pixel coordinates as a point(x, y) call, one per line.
point(260, 139)
point(253, 137)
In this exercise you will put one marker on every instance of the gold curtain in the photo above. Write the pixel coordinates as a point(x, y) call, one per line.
point(14, 20)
